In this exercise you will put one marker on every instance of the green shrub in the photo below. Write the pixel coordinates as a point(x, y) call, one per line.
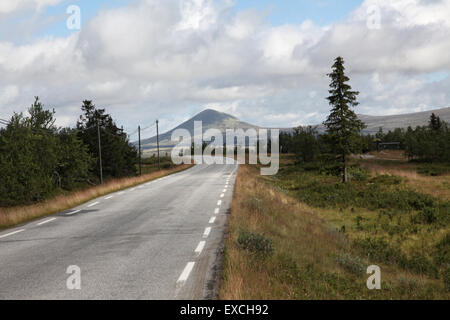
point(433, 169)
point(166, 165)
point(386, 179)
point(409, 284)
point(446, 278)
point(351, 264)
point(442, 251)
point(254, 204)
point(255, 243)
point(379, 249)
point(421, 264)
point(428, 215)
point(358, 174)
point(358, 220)
point(331, 169)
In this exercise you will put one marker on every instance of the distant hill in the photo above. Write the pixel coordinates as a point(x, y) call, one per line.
point(210, 119)
point(222, 121)
point(402, 120)
point(392, 122)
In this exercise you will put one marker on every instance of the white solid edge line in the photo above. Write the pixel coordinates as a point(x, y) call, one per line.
point(11, 233)
point(207, 232)
point(46, 221)
point(212, 220)
point(93, 204)
point(186, 272)
point(219, 202)
point(71, 213)
point(216, 211)
point(200, 247)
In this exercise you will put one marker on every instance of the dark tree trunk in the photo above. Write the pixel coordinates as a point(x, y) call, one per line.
point(344, 170)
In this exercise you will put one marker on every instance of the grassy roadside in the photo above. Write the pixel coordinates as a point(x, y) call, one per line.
point(278, 247)
point(13, 216)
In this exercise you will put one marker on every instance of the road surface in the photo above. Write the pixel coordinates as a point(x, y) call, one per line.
point(160, 240)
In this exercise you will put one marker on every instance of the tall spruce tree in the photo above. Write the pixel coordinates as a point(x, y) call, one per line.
point(343, 126)
point(119, 157)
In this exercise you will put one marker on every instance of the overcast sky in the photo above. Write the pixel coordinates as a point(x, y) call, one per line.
point(262, 61)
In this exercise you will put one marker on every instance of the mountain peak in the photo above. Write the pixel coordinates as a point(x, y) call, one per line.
point(210, 119)
point(211, 115)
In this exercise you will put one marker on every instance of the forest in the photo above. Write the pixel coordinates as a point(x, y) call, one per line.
point(39, 160)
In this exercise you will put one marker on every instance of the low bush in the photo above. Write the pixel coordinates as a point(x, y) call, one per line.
point(446, 278)
point(255, 243)
point(352, 264)
point(433, 169)
point(382, 251)
point(442, 251)
point(358, 174)
point(428, 215)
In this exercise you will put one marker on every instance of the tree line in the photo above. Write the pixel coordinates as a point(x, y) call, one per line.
point(428, 143)
point(39, 159)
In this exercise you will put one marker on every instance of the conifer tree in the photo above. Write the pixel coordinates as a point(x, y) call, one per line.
point(343, 126)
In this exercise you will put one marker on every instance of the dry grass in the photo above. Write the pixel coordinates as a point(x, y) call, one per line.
point(280, 217)
point(389, 155)
point(435, 186)
point(305, 263)
point(10, 217)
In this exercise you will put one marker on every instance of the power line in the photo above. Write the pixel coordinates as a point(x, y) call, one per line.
point(142, 129)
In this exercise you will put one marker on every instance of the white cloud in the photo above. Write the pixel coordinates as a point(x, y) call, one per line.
point(9, 6)
point(172, 58)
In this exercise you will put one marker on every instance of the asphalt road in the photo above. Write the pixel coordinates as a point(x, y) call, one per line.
point(160, 240)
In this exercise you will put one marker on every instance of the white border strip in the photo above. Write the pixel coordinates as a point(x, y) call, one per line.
point(46, 221)
point(11, 233)
point(186, 272)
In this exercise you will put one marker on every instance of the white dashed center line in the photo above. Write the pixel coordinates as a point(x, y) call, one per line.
point(107, 198)
point(216, 211)
point(222, 195)
point(46, 221)
point(185, 274)
point(207, 232)
point(224, 190)
point(11, 233)
point(120, 193)
point(93, 204)
point(219, 203)
point(212, 220)
point(200, 247)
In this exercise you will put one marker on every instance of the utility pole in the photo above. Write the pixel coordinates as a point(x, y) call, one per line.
point(140, 157)
point(100, 152)
point(157, 143)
